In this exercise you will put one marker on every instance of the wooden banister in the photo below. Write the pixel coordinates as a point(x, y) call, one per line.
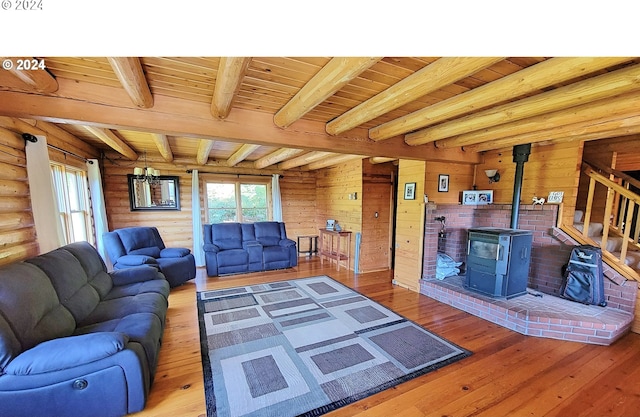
point(618, 219)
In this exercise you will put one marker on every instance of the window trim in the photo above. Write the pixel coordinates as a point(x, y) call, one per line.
point(65, 213)
point(238, 182)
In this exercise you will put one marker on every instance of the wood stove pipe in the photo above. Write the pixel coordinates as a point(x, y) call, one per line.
point(520, 156)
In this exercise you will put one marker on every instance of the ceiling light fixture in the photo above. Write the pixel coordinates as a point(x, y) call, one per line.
point(147, 173)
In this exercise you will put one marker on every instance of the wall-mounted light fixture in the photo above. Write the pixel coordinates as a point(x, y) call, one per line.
point(493, 175)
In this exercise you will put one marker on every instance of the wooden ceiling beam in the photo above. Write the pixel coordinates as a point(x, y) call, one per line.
point(332, 77)
point(231, 71)
point(433, 77)
point(204, 149)
point(330, 161)
point(113, 141)
point(613, 107)
point(303, 159)
point(35, 79)
point(131, 75)
point(162, 143)
point(277, 156)
point(56, 136)
point(529, 80)
point(381, 160)
point(81, 103)
point(592, 89)
point(618, 125)
point(241, 154)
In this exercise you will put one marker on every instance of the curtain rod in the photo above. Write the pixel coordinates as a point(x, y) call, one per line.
point(30, 138)
point(189, 171)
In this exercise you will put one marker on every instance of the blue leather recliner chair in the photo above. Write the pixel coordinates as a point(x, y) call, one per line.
point(231, 248)
point(133, 246)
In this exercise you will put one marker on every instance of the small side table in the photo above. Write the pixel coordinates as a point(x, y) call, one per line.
point(333, 238)
point(313, 245)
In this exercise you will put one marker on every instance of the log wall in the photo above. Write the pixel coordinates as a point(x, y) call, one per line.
point(17, 228)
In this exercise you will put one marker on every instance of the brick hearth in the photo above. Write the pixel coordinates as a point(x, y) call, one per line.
point(547, 316)
point(541, 316)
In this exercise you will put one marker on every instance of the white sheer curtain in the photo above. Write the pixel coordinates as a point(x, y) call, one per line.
point(198, 238)
point(44, 203)
point(276, 200)
point(97, 203)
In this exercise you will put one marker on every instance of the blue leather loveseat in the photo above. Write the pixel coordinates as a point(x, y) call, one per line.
point(76, 340)
point(133, 246)
point(231, 248)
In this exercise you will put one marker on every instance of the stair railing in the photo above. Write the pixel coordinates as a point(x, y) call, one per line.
point(621, 215)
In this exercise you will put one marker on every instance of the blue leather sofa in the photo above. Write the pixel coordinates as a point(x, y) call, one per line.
point(134, 246)
point(231, 248)
point(76, 340)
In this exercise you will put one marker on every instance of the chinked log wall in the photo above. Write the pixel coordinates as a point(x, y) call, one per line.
point(17, 228)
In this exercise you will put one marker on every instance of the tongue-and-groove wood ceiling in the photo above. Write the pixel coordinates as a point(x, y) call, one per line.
point(310, 112)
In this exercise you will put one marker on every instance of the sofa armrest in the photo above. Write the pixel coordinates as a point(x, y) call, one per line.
point(135, 260)
point(287, 243)
point(210, 247)
point(135, 274)
point(67, 352)
point(174, 252)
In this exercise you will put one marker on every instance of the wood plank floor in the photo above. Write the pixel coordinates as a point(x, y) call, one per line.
point(509, 374)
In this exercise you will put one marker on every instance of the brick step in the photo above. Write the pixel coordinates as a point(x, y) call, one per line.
point(539, 316)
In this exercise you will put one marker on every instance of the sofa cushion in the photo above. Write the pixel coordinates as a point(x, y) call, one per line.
point(70, 282)
point(93, 265)
point(268, 233)
point(115, 308)
point(174, 252)
point(155, 286)
point(142, 328)
point(227, 235)
point(152, 251)
point(137, 237)
point(30, 311)
point(67, 352)
point(233, 257)
point(275, 253)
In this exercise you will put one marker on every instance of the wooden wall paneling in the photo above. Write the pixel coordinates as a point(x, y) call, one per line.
point(554, 167)
point(460, 178)
point(334, 184)
point(18, 239)
point(298, 194)
point(409, 225)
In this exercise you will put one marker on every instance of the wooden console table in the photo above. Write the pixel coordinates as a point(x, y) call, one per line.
point(331, 238)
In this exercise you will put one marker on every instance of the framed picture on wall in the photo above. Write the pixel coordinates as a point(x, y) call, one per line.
point(443, 183)
point(410, 191)
point(476, 197)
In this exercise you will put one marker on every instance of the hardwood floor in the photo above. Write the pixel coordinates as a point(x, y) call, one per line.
point(509, 374)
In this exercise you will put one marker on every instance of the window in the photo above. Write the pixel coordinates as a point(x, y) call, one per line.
point(73, 201)
point(235, 201)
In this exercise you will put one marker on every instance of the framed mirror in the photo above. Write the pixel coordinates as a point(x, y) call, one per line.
point(165, 195)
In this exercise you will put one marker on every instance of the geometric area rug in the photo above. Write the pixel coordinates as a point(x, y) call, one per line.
point(305, 347)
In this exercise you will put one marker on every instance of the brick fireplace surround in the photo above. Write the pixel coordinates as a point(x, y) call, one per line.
point(541, 312)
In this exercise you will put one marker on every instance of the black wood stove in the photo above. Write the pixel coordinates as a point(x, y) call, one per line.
point(498, 261)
